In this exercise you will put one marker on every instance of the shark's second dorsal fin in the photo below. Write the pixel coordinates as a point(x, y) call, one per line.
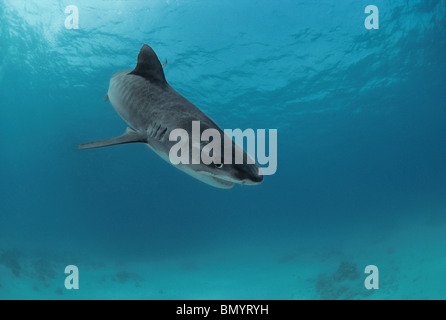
point(149, 66)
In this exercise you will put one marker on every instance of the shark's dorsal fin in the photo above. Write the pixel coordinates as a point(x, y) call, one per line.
point(149, 66)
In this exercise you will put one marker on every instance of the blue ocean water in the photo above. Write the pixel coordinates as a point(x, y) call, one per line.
point(361, 118)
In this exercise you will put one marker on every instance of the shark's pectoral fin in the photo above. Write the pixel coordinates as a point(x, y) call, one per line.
point(130, 136)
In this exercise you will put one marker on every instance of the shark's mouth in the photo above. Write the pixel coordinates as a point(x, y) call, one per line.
point(207, 178)
point(203, 176)
point(229, 184)
point(213, 180)
point(227, 180)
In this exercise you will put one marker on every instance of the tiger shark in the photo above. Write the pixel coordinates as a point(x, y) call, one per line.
point(153, 109)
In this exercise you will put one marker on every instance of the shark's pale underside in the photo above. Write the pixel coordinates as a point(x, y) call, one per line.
point(152, 109)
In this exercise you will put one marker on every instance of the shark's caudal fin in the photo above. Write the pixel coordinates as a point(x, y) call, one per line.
point(130, 136)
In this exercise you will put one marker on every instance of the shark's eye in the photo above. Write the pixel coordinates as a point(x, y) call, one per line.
point(218, 165)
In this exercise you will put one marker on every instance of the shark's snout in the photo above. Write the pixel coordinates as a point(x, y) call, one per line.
point(257, 178)
point(251, 174)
